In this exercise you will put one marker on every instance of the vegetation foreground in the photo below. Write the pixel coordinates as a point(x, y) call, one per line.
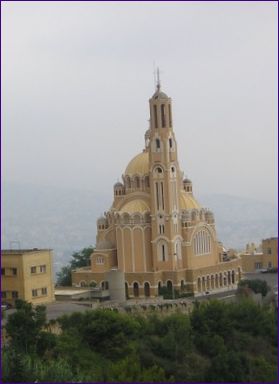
point(234, 342)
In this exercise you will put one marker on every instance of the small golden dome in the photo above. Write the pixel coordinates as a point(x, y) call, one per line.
point(187, 201)
point(133, 206)
point(138, 165)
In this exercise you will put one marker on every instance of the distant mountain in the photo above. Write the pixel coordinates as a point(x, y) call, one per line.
point(240, 220)
point(65, 219)
point(47, 217)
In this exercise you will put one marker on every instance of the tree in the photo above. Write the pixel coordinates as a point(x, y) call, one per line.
point(25, 325)
point(257, 285)
point(64, 277)
point(79, 259)
point(229, 367)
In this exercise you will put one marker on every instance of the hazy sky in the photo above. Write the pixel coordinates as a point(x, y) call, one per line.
point(76, 79)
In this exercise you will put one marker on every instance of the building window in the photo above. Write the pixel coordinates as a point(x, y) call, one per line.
point(137, 182)
point(170, 143)
point(163, 116)
point(33, 269)
point(147, 181)
point(14, 271)
point(155, 116)
point(157, 194)
point(34, 292)
point(4, 294)
point(258, 265)
point(269, 251)
point(162, 196)
point(269, 264)
point(170, 123)
point(158, 144)
point(161, 229)
point(104, 285)
point(202, 243)
point(128, 182)
point(100, 260)
point(43, 268)
point(2, 271)
point(44, 291)
point(163, 252)
point(15, 294)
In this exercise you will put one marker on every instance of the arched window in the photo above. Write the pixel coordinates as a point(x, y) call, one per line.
point(126, 218)
point(178, 250)
point(163, 115)
point(170, 122)
point(169, 285)
point(100, 260)
point(202, 243)
point(162, 250)
point(126, 290)
point(128, 182)
point(170, 143)
point(137, 182)
point(161, 229)
point(146, 182)
point(155, 116)
point(146, 289)
point(137, 219)
point(136, 289)
point(158, 144)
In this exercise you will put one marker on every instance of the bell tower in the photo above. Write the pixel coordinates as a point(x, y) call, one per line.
point(165, 181)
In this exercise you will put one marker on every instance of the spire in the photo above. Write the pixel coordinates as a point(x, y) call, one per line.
point(158, 83)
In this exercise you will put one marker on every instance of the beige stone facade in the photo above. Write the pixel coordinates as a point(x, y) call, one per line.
point(27, 275)
point(263, 257)
point(155, 231)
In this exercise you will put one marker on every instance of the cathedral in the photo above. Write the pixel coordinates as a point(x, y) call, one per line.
point(156, 232)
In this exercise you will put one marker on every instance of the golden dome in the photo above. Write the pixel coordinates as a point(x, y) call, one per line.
point(187, 201)
point(138, 165)
point(133, 206)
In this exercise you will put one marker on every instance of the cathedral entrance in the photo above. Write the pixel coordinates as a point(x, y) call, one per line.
point(136, 289)
point(146, 289)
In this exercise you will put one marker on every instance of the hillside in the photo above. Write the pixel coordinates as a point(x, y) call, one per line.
point(65, 219)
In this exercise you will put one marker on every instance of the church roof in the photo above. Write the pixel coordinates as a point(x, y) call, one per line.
point(160, 95)
point(138, 165)
point(187, 201)
point(104, 244)
point(137, 205)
